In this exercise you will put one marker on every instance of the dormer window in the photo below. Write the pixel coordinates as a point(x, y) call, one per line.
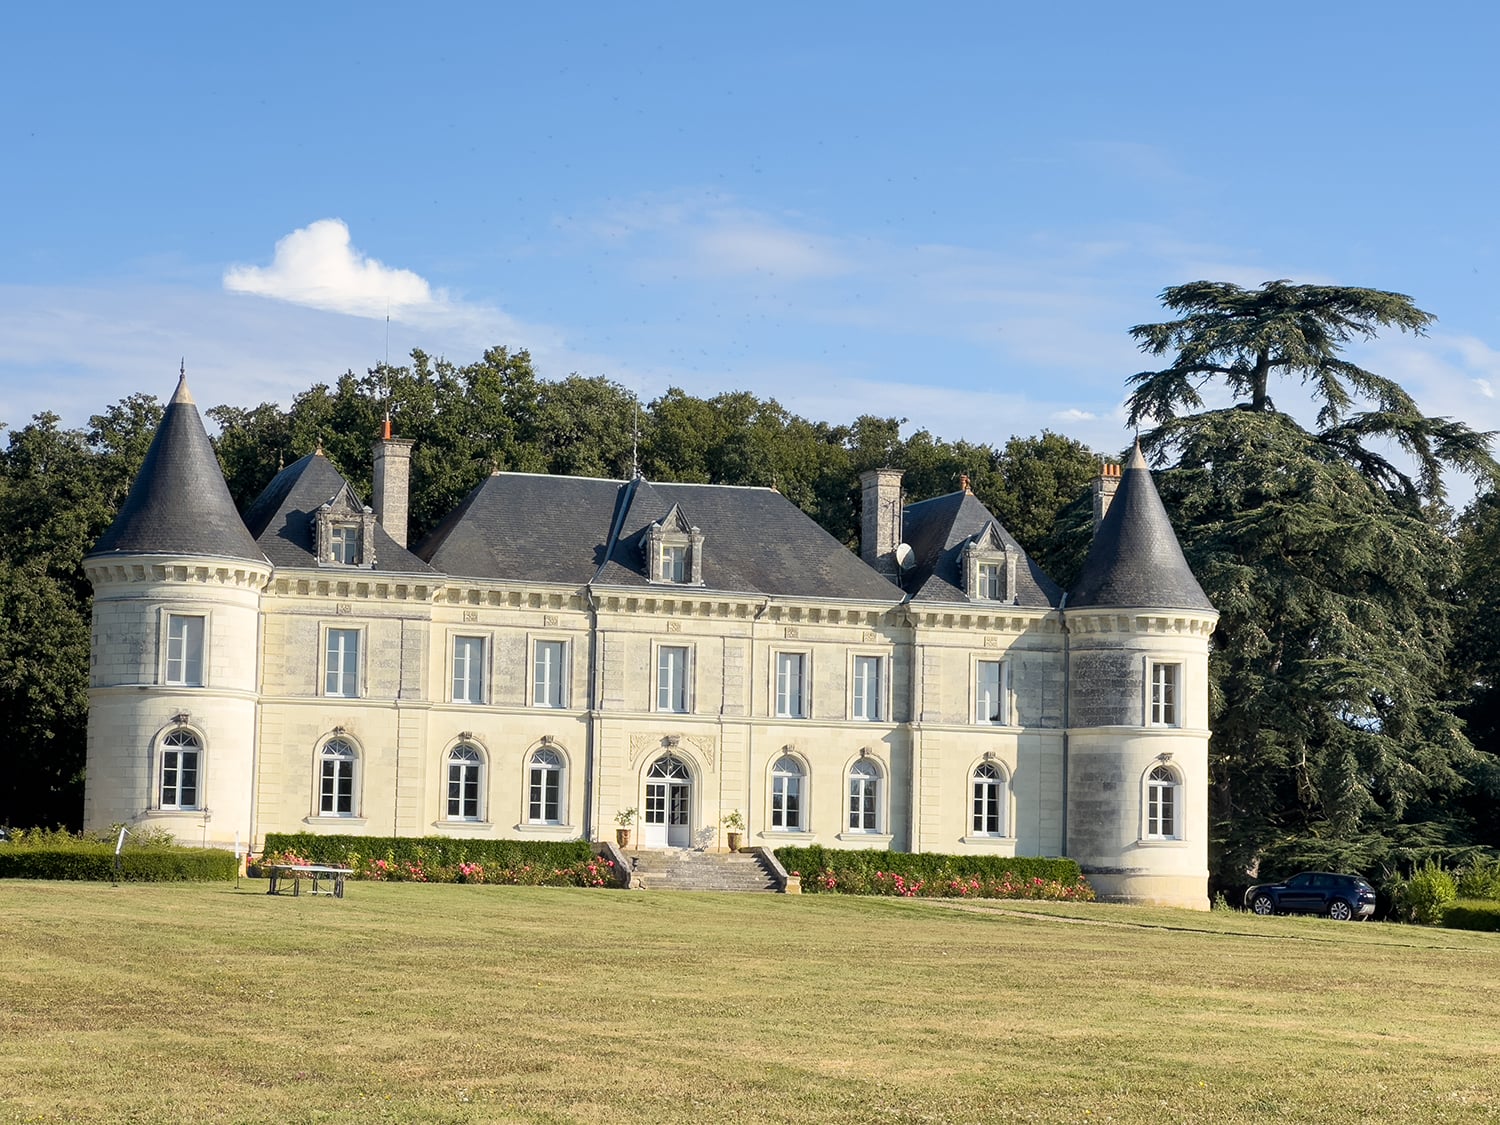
point(989, 565)
point(344, 532)
point(674, 551)
point(345, 540)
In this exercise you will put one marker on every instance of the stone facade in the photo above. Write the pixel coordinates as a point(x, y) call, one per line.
point(392, 695)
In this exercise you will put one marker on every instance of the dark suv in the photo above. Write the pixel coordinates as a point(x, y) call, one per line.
point(1341, 897)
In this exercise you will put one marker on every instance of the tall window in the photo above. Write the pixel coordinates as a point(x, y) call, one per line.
point(989, 801)
point(990, 692)
point(1161, 804)
point(1165, 680)
point(341, 672)
point(791, 685)
point(185, 650)
point(786, 795)
point(547, 679)
point(674, 564)
point(544, 790)
point(337, 767)
point(468, 669)
point(989, 582)
point(179, 770)
point(672, 678)
point(465, 783)
point(867, 688)
point(864, 796)
point(343, 542)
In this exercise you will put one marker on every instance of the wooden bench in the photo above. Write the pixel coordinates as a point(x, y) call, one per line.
point(317, 874)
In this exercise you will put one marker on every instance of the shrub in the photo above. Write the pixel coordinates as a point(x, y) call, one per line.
point(85, 859)
point(1473, 914)
point(909, 875)
point(1479, 880)
point(441, 859)
point(1423, 897)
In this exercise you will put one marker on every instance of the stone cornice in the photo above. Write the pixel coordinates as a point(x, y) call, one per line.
point(203, 571)
point(1178, 622)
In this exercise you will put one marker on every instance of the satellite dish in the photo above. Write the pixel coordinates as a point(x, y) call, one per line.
point(904, 556)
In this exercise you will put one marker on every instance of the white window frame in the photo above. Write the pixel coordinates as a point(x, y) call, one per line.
point(864, 783)
point(981, 802)
point(177, 650)
point(466, 768)
point(674, 563)
point(776, 808)
point(545, 693)
point(1164, 693)
point(982, 716)
point(665, 698)
point(989, 580)
point(472, 675)
point(784, 705)
point(328, 672)
point(1161, 787)
point(557, 773)
point(188, 742)
point(868, 702)
point(343, 765)
point(349, 536)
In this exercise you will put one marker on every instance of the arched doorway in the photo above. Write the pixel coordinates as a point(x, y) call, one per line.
point(669, 789)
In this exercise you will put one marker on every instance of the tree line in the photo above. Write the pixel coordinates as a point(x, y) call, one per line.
point(1353, 672)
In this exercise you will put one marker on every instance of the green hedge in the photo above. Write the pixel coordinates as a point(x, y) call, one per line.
point(1473, 914)
point(927, 874)
point(97, 862)
point(441, 859)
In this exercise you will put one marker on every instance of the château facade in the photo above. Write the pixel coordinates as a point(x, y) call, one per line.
point(561, 649)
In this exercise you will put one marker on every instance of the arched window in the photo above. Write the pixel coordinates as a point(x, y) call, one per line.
point(338, 766)
point(180, 761)
point(786, 794)
point(989, 801)
point(544, 788)
point(1163, 816)
point(864, 796)
point(465, 783)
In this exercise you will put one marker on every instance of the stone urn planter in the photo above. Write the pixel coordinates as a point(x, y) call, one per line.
point(734, 840)
point(622, 837)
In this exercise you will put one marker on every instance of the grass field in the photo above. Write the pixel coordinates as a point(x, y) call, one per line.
point(417, 1003)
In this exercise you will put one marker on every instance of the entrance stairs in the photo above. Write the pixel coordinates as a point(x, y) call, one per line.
point(679, 869)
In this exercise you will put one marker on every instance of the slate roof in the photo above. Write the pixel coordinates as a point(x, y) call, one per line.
point(281, 518)
point(937, 531)
point(1135, 561)
point(523, 526)
point(179, 503)
point(526, 527)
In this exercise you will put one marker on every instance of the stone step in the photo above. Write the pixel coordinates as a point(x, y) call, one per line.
point(670, 869)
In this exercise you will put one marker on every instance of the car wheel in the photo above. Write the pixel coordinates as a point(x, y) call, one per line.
point(1340, 911)
point(1263, 905)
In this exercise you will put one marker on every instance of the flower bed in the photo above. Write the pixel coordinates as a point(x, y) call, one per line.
point(438, 859)
point(926, 875)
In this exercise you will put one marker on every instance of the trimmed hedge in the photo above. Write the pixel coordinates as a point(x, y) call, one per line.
point(909, 874)
point(1473, 914)
point(441, 859)
point(97, 862)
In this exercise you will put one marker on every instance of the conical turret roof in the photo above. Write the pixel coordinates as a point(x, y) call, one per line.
point(179, 503)
point(1135, 561)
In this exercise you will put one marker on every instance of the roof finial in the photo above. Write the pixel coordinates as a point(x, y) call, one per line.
point(963, 481)
point(319, 450)
point(182, 394)
point(635, 441)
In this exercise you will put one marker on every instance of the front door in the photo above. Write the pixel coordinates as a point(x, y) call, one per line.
point(669, 791)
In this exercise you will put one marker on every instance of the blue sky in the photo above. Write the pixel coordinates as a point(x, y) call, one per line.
point(950, 213)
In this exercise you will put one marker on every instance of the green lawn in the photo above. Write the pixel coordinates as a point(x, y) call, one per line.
point(406, 1002)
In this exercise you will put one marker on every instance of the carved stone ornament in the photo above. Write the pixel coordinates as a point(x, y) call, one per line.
point(706, 746)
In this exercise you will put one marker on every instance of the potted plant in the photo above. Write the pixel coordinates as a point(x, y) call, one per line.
point(625, 818)
point(734, 828)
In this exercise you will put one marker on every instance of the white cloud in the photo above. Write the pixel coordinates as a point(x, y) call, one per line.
point(319, 267)
point(1484, 387)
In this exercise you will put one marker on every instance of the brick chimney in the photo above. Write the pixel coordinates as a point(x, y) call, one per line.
point(392, 482)
point(1105, 485)
point(880, 520)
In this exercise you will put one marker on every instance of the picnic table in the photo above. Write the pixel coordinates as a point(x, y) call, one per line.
point(316, 873)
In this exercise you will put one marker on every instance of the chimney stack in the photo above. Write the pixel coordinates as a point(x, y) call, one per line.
point(1105, 485)
point(392, 482)
point(880, 520)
